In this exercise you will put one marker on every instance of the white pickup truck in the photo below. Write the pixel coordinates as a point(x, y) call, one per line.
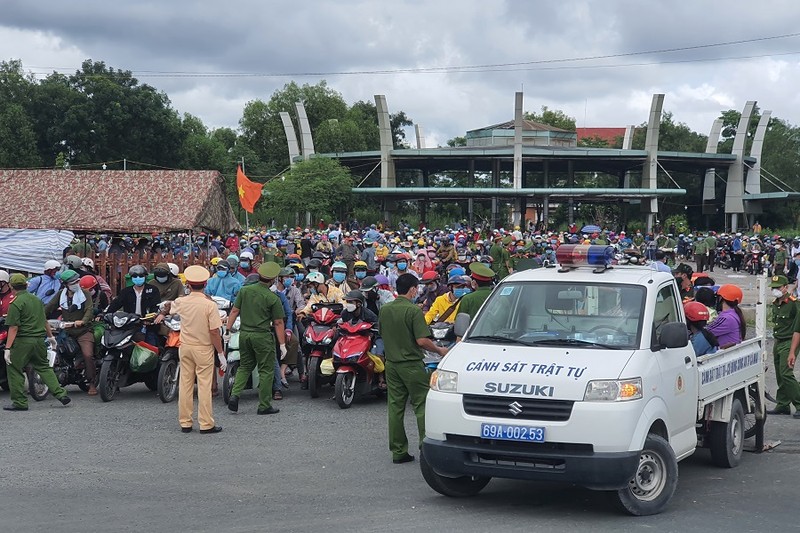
point(585, 375)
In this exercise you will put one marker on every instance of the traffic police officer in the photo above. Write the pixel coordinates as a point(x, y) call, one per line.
point(261, 310)
point(787, 338)
point(200, 340)
point(26, 331)
point(482, 275)
point(405, 334)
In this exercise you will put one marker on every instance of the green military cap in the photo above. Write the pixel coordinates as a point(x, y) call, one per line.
point(778, 281)
point(269, 270)
point(18, 281)
point(481, 272)
point(285, 272)
point(507, 240)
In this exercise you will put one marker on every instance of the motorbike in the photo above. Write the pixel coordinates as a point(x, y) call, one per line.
point(119, 340)
point(320, 337)
point(69, 364)
point(444, 336)
point(754, 262)
point(354, 365)
point(722, 258)
point(169, 369)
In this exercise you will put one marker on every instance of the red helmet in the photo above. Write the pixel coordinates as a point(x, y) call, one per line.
point(88, 282)
point(731, 293)
point(695, 311)
point(430, 275)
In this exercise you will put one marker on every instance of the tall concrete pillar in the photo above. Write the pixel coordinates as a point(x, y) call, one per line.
point(571, 184)
point(734, 190)
point(709, 188)
point(291, 137)
point(471, 201)
point(753, 182)
point(516, 212)
point(387, 145)
point(495, 184)
point(546, 200)
point(650, 171)
point(627, 144)
point(306, 140)
point(420, 136)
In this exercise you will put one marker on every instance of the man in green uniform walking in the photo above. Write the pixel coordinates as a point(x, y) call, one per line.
point(27, 327)
point(472, 302)
point(261, 310)
point(781, 262)
point(500, 258)
point(787, 338)
point(700, 252)
point(405, 334)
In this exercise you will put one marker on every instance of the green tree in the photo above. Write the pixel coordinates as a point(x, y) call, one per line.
point(552, 117)
point(593, 142)
point(399, 121)
point(320, 185)
point(17, 138)
point(457, 141)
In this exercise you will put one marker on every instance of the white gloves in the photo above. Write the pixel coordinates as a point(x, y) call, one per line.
point(223, 363)
point(283, 351)
point(52, 342)
point(7, 357)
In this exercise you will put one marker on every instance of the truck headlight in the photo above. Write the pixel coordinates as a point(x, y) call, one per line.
point(444, 381)
point(620, 390)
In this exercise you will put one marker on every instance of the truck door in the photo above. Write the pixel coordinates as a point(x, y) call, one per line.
point(678, 374)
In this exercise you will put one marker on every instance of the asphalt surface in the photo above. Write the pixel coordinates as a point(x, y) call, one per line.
point(125, 466)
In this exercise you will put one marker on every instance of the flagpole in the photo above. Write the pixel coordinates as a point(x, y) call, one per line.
point(246, 214)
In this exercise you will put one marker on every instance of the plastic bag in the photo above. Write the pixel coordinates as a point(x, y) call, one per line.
point(378, 362)
point(143, 359)
point(326, 367)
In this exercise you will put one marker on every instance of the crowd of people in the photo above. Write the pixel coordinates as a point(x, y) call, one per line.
point(274, 277)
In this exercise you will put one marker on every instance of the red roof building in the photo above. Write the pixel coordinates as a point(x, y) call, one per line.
point(610, 135)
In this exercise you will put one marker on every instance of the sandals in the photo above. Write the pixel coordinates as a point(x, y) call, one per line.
point(277, 395)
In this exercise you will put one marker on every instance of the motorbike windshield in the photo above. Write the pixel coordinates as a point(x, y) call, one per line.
point(602, 315)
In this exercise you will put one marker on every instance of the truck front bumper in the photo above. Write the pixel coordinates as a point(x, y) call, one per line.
point(553, 462)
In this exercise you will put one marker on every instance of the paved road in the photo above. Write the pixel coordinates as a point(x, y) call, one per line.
point(125, 466)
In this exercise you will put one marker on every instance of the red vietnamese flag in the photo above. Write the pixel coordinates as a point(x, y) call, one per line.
point(249, 191)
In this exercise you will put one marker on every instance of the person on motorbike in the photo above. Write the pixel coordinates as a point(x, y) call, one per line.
point(445, 307)
point(233, 263)
point(285, 283)
point(6, 294)
point(246, 263)
point(45, 286)
point(100, 299)
point(429, 290)
point(355, 310)
point(139, 299)
point(76, 305)
point(339, 278)
point(169, 287)
point(360, 271)
point(320, 292)
point(222, 284)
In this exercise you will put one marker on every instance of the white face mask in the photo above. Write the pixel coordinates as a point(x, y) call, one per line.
point(350, 307)
point(777, 293)
point(75, 287)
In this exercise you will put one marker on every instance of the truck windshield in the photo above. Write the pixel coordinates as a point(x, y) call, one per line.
point(601, 315)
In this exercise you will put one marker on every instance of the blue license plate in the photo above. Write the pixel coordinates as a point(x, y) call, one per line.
point(517, 433)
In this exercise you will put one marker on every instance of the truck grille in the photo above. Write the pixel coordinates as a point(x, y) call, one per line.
point(527, 408)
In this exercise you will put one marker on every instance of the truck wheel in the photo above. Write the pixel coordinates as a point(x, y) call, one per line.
point(727, 439)
point(455, 487)
point(655, 480)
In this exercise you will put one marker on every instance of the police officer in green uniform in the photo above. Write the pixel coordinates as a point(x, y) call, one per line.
point(700, 253)
point(781, 261)
point(500, 258)
point(787, 338)
point(260, 310)
point(27, 327)
point(405, 334)
point(482, 275)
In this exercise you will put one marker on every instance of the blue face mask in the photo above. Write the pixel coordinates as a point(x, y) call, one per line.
point(222, 273)
point(338, 277)
point(288, 282)
point(361, 274)
point(390, 264)
point(138, 281)
point(300, 277)
point(461, 291)
point(245, 264)
point(402, 266)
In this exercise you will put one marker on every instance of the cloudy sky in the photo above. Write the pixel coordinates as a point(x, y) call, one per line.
point(422, 55)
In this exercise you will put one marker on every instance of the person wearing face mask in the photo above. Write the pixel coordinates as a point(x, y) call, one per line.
point(273, 254)
point(360, 271)
point(233, 263)
point(784, 352)
point(401, 267)
point(697, 316)
point(339, 278)
point(445, 307)
point(369, 256)
point(729, 327)
point(45, 286)
point(232, 242)
point(139, 299)
point(319, 292)
point(6, 294)
point(222, 284)
point(356, 309)
point(169, 287)
point(389, 266)
point(100, 299)
point(75, 304)
point(429, 290)
point(246, 263)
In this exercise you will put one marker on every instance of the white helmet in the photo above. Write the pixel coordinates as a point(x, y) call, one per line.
point(173, 269)
point(315, 277)
point(4, 276)
point(52, 265)
point(246, 255)
point(87, 262)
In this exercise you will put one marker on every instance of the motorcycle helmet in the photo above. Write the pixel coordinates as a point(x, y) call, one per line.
point(88, 262)
point(381, 279)
point(162, 270)
point(695, 312)
point(355, 296)
point(246, 255)
point(88, 282)
point(73, 262)
point(69, 276)
point(215, 261)
point(368, 284)
point(319, 256)
point(4, 276)
point(51, 265)
point(339, 265)
point(137, 271)
point(315, 263)
point(173, 269)
point(730, 293)
point(316, 277)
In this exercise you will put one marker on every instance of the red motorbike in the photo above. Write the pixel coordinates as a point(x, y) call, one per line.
point(319, 339)
point(355, 368)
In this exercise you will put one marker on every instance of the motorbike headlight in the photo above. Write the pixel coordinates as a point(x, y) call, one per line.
point(309, 340)
point(439, 333)
point(120, 321)
point(444, 381)
point(620, 390)
point(327, 340)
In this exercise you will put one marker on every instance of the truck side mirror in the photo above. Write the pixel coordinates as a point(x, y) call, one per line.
point(674, 335)
point(461, 324)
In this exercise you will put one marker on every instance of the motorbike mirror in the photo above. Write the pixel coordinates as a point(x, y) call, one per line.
point(461, 324)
